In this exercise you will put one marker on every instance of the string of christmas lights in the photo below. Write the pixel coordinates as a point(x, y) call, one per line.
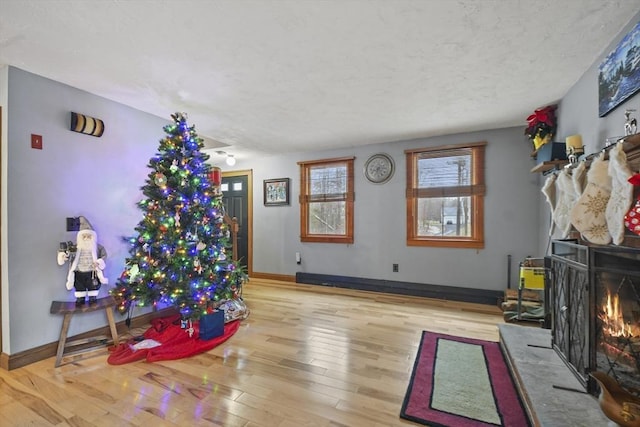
point(178, 257)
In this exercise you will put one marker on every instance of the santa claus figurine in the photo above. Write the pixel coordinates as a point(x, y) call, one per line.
point(86, 264)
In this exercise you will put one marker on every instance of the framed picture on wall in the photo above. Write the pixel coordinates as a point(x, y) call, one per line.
point(619, 76)
point(276, 192)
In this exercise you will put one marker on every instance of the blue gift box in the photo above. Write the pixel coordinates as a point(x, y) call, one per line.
point(552, 151)
point(212, 325)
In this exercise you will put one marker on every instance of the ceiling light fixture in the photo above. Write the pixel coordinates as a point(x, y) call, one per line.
point(230, 159)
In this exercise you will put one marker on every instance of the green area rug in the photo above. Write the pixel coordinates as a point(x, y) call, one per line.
point(461, 382)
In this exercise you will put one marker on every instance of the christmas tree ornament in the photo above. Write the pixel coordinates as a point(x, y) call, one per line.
point(588, 215)
point(160, 179)
point(175, 250)
point(133, 272)
point(621, 193)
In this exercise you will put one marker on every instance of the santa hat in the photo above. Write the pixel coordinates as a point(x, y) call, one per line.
point(85, 226)
point(84, 223)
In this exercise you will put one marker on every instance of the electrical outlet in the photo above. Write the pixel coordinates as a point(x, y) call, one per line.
point(395, 268)
point(298, 258)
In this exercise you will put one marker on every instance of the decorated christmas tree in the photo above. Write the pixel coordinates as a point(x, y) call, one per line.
point(178, 257)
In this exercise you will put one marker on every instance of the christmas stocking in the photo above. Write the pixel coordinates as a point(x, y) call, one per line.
point(588, 214)
point(621, 193)
point(549, 191)
point(577, 177)
point(632, 218)
point(565, 200)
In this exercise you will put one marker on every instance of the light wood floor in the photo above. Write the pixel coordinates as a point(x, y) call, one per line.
point(305, 356)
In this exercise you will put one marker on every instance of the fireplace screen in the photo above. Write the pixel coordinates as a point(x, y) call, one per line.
point(616, 282)
point(570, 307)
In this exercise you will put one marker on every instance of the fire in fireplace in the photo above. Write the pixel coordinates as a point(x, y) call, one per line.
point(595, 306)
point(618, 327)
point(613, 320)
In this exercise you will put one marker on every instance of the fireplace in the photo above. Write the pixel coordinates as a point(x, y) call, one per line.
point(616, 283)
point(595, 305)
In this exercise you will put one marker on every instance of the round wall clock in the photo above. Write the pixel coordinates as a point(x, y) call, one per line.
point(379, 168)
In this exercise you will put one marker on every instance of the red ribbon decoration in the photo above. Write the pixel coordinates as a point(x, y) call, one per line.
point(634, 179)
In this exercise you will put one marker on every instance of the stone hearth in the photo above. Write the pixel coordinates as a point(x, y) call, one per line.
point(551, 392)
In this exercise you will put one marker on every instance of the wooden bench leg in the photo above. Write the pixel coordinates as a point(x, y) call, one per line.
point(112, 325)
point(63, 337)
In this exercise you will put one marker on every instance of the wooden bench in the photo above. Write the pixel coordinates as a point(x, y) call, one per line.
point(79, 346)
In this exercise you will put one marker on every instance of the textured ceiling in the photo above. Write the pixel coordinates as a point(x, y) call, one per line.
point(274, 76)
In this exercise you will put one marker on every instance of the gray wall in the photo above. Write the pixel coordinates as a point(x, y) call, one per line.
point(100, 178)
point(74, 174)
point(511, 218)
point(578, 114)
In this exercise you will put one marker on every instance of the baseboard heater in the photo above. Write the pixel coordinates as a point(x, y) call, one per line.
point(452, 293)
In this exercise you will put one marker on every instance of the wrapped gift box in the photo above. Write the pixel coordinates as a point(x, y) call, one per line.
point(212, 325)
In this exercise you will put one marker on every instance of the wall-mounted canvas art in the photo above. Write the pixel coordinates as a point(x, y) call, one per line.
point(619, 76)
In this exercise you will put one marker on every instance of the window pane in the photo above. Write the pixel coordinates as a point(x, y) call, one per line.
point(327, 218)
point(328, 180)
point(449, 171)
point(444, 217)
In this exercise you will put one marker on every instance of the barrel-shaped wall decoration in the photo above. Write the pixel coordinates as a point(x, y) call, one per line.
point(87, 125)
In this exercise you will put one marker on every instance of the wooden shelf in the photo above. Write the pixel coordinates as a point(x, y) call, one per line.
point(632, 140)
point(546, 166)
point(631, 147)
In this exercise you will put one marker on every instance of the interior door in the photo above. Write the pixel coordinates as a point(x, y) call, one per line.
point(237, 196)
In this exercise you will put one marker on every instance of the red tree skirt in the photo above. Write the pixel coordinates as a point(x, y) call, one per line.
point(175, 342)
